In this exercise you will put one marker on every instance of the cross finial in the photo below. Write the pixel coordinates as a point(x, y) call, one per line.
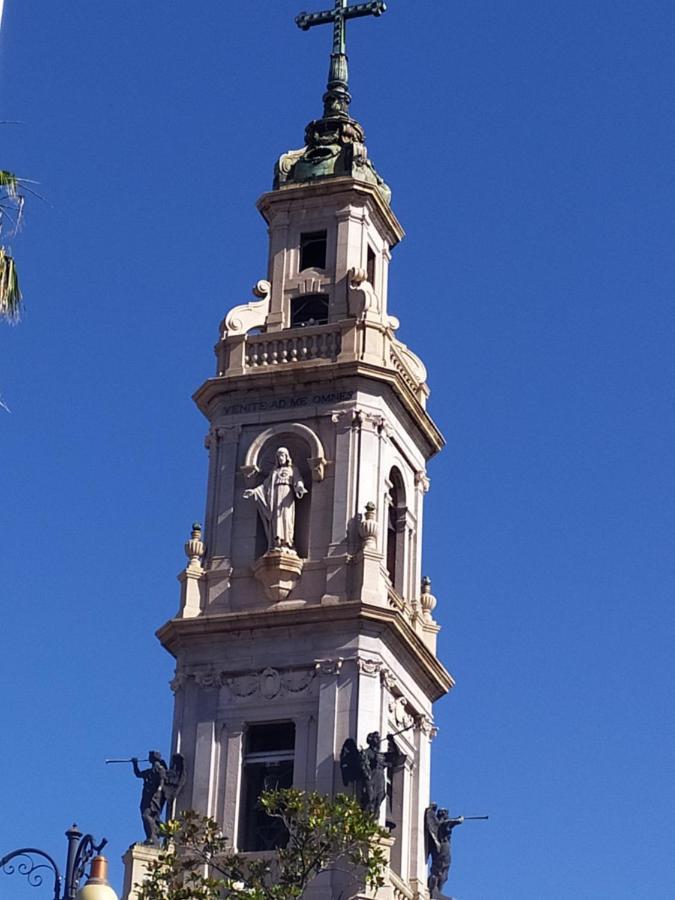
point(337, 97)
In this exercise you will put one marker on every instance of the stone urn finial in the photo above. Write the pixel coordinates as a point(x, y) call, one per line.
point(195, 548)
point(427, 600)
point(368, 526)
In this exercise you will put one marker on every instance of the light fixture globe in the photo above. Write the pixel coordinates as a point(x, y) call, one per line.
point(97, 887)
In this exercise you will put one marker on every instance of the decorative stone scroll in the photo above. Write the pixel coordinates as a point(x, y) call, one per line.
point(402, 716)
point(243, 318)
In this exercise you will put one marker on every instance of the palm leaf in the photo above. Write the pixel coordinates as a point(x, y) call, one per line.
point(10, 294)
point(9, 182)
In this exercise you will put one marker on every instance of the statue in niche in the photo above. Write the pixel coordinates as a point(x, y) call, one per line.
point(160, 784)
point(275, 499)
point(437, 834)
point(368, 769)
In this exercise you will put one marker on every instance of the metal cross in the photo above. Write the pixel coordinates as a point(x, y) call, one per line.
point(337, 97)
point(338, 16)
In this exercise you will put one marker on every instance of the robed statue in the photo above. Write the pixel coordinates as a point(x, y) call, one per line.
point(367, 769)
point(275, 499)
point(437, 834)
point(161, 784)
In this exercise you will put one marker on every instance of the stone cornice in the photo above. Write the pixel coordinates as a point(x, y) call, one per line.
point(179, 633)
point(294, 375)
point(323, 188)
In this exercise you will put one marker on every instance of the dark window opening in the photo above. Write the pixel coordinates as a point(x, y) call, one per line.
point(370, 266)
point(313, 250)
point(268, 765)
point(309, 309)
point(396, 519)
point(391, 538)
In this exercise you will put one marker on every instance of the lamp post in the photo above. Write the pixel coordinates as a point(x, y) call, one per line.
point(32, 863)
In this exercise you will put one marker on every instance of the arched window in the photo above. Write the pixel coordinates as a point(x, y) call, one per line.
point(396, 523)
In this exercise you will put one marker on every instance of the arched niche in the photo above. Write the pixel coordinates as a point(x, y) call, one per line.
point(306, 451)
point(316, 459)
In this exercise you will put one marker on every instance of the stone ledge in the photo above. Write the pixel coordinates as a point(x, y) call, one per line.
point(177, 633)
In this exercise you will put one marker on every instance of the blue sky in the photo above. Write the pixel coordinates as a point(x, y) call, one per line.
point(530, 151)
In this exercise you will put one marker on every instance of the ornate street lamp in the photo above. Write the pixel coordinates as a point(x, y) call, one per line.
point(32, 863)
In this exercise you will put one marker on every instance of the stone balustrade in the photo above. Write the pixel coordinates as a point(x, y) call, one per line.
point(300, 345)
point(333, 342)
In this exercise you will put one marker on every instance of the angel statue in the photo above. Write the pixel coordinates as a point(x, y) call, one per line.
point(161, 784)
point(367, 768)
point(437, 833)
point(275, 499)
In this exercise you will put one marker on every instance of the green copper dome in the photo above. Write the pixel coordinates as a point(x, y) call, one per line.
point(335, 143)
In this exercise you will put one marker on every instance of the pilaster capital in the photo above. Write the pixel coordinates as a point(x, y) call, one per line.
point(422, 482)
point(370, 667)
point(228, 434)
point(178, 681)
point(350, 214)
point(426, 726)
point(208, 678)
point(234, 728)
point(328, 666)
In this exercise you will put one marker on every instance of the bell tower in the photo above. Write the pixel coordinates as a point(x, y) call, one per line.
point(304, 619)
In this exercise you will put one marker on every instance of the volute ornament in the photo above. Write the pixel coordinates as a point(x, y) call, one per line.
point(246, 316)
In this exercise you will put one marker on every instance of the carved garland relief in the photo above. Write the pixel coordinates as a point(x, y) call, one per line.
point(268, 684)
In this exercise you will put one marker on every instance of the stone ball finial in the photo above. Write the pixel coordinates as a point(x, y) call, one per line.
point(427, 600)
point(368, 526)
point(195, 548)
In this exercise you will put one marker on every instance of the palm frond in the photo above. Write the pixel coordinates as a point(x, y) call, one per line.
point(10, 182)
point(10, 294)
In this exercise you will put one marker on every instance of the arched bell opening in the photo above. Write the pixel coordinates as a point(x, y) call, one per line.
point(396, 526)
point(309, 309)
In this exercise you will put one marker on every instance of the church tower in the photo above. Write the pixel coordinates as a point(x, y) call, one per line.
point(304, 619)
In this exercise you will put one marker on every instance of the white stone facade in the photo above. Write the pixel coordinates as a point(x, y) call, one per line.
point(337, 637)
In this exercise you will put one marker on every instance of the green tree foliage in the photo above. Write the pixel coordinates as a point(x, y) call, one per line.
point(323, 833)
point(11, 208)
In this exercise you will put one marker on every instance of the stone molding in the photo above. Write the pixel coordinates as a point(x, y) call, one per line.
point(433, 677)
point(209, 396)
